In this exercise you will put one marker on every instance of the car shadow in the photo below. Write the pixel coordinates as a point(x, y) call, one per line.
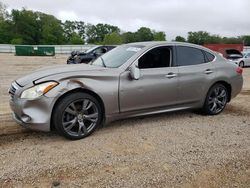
point(49, 137)
point(160, 119)
point(152, 118)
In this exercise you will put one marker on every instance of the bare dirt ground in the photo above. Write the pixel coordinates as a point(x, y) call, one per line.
point(180, 149)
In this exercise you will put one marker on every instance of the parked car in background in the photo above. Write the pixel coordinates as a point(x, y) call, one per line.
point(132, 80)
point(221, 48)
point(244, 61)
point(233, 54)
point(72, 56)
point(241, 59)
point(89, 55)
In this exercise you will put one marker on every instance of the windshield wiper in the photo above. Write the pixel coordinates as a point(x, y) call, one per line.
point(103, 63)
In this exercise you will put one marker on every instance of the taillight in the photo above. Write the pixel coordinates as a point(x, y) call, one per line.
point(239, 70)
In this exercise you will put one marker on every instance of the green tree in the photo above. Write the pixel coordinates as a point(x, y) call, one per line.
point(199, 37)
point(90, 33)
point(51, 30)
point(214, 39)
point(113, 38)
point(76, 39)
point(232, 40)
point(95, 33)
point(69, 28)
point(180, 39)
point(159, 36)
point(17, 41)
point(3, 12)
point(36, 27)
point(73, 28)
point(202, 37)
point(246, 40)
point(128, 37)
point(6, 33)
point(26, 26)
point(81, 27)
point(144, 34)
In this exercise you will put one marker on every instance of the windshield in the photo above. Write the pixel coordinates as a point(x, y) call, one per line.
point(91, 49)
point(118, 56)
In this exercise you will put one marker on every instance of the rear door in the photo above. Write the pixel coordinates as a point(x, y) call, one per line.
point(196, 72)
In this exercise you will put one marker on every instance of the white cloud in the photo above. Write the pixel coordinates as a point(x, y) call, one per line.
point(175, 17)
point(67, 15)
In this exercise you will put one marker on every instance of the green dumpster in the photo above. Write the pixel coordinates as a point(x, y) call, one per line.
point(24, 50)
point(45, 51)
point(35, 50)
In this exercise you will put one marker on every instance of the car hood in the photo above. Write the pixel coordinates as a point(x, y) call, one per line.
point(53, 70)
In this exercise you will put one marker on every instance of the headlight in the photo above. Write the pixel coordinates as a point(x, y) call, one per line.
point(38, 90)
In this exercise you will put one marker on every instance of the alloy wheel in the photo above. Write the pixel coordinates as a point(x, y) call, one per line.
point(80, 117)
point(217, 100)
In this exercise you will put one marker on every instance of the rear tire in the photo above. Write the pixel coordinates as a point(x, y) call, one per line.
point(77, 115)
point(216, 100)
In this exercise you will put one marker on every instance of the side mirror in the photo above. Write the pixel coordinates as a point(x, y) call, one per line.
point(135, 71)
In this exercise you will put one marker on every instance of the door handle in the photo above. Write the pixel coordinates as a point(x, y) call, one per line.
point(171, 75)
point(208, 71)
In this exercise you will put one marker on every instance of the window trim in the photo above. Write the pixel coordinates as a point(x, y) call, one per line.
point(205, 54)
point(152, 47)
point(205, 57)
point(170, 61)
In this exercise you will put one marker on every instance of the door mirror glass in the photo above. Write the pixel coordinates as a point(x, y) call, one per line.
point(134, 71)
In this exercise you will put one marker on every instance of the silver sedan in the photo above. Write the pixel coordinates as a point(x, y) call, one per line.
point(132, 80)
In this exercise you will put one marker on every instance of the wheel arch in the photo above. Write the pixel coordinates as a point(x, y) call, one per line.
point(228, 87)
point(83, 90)
point(242, 61)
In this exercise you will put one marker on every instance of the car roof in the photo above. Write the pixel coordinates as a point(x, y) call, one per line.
point(149, 44)
point(154, 43)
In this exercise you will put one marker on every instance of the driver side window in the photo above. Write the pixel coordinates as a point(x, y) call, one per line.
point(156, 58)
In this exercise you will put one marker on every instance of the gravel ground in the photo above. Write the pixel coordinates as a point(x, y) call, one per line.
point(180, 149)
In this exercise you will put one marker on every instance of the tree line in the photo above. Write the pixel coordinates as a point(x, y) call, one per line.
point(31, 27)
point(203, 37)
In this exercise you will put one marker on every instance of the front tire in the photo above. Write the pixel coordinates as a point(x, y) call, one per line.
point(216, 100)
point(77, 115)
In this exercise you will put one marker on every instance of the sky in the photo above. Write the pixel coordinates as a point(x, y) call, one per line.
point(174, 17)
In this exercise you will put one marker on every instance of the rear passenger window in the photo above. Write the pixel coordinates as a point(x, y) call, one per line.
point(210, 57)
point(189, 56)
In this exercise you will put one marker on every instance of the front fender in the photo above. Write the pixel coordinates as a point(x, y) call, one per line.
point(106, 90)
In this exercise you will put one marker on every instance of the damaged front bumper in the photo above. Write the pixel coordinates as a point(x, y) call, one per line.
point(33, 114)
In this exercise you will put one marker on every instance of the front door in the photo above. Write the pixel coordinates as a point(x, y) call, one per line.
point(157, 86)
